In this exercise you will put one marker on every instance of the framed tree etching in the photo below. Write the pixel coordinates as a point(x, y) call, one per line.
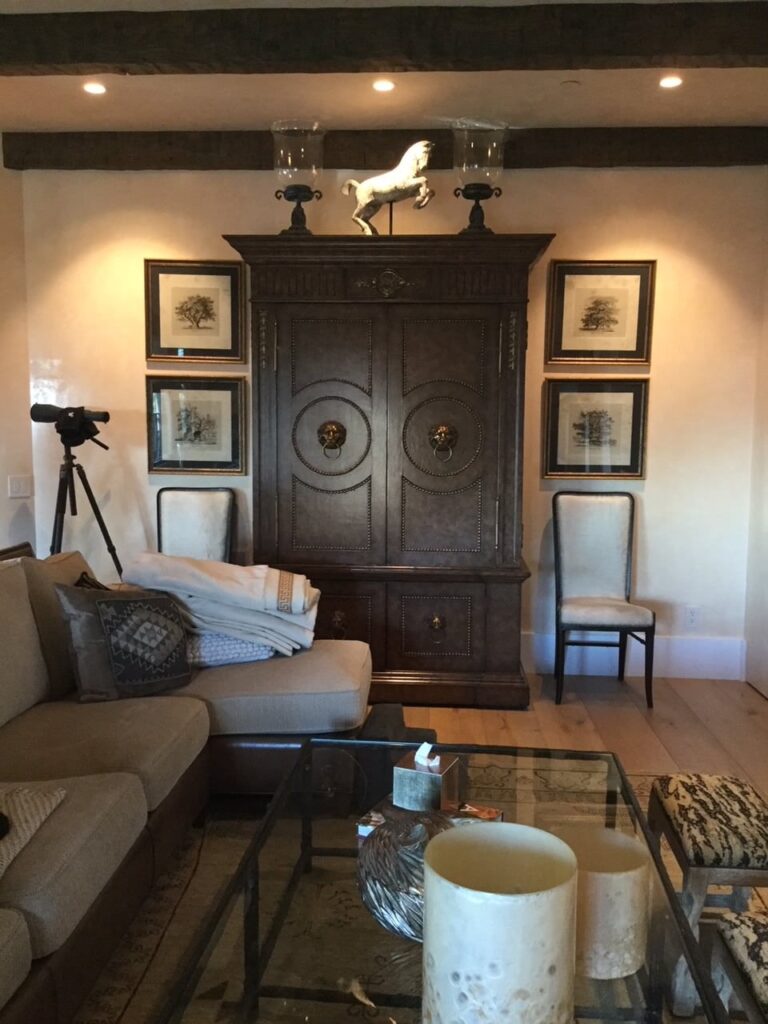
point(194, 311)
point(600, 312)
point(196, 424)
point(594, 428)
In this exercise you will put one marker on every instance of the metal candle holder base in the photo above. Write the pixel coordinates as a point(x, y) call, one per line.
point(298, 194)
point(476, 192)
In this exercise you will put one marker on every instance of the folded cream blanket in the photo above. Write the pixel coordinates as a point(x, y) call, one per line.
point(286, 633)
point(256, 587)
point(253, 603)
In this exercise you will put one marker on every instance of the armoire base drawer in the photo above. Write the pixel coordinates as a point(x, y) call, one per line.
point(437, 627)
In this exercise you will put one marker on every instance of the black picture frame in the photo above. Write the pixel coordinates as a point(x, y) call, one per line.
point(195, 310)
point(594, 428)
point(600, 311)
point(196, 424)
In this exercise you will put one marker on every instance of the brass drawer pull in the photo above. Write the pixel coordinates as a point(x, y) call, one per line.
point(339, 625)
point(437, 624)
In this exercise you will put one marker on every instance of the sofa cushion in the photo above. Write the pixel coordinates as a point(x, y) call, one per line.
point(124, 644)
point(54, 879)
point(324, 689)
point(25, 810)
point(15, 953)
point(156, 738)
point(42, 576)
point(23, 675)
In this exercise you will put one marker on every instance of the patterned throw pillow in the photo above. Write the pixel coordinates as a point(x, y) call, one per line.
point(124, 644)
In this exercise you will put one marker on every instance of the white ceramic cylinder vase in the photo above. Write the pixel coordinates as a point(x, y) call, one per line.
point(499, 926)
point(612, 907)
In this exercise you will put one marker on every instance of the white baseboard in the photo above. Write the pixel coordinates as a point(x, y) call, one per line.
point(677, 657)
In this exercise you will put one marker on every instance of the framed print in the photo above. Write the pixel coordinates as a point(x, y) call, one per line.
point(196, 424)
point(594, 428)
point(600, 312)
point(194, 311)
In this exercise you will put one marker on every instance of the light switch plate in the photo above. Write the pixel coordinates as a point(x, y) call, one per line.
point(19, 486)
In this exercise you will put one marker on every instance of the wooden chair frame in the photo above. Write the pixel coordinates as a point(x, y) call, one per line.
point(24, 549)
point(562, 641)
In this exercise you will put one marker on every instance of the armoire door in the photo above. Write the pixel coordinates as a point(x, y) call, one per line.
point(330, 439)
point(443, 474)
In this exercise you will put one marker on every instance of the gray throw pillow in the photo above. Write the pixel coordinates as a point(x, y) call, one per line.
point(124, 644)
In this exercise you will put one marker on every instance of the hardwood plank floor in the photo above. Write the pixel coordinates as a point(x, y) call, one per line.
point(696, 725)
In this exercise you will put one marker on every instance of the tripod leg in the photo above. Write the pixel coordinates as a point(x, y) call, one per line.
point(66, 482)
point(99, 518)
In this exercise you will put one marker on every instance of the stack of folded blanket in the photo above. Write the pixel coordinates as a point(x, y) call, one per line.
point(232, 612)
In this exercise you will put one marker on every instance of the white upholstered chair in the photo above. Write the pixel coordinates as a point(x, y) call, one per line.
point(593, 570)
point(196, 522)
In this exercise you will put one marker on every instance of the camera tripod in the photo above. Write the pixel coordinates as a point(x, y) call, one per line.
point(67, 490)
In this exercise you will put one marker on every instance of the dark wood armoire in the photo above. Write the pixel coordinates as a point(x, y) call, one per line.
point(387, 448)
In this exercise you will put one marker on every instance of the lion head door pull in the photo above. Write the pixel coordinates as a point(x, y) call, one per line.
point(443, 439)
point(332, 436)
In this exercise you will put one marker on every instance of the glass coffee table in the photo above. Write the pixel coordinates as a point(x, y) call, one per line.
point(289, 939)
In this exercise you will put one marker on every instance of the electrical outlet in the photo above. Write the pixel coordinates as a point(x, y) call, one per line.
point(691, 615)
point(19, 486)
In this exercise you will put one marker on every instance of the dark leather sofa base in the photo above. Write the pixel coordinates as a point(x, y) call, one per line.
point(256, 765)
point(236, 765)
point(59, 983)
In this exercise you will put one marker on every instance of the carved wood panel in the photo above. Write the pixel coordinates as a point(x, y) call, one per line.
point(330, 368)
point(443, 434)
point(353, 611)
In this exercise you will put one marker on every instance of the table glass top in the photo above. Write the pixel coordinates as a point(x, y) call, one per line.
point(292, 940)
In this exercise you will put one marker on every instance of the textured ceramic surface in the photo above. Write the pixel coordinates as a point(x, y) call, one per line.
point(499, 926)
point(613, 901)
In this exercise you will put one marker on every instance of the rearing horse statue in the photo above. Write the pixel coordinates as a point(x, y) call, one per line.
point(401, 182)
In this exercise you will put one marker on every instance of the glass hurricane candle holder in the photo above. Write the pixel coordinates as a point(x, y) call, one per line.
point(298, 149)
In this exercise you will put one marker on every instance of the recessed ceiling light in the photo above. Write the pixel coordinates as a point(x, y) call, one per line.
point(670, 82)
point(383, 85)
point(94, 88)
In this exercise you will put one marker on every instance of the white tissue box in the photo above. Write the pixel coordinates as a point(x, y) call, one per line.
point(418, 787)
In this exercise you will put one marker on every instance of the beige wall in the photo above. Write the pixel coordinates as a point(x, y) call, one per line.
point(757, 572)
point(16, 514)
point(87, 234)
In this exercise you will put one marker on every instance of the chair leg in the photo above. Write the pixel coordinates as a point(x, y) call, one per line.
point(622, 656)
point(649, 638)
point(559, 663)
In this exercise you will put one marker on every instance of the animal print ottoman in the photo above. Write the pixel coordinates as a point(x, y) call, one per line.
point(721, 821)
point(746, 936)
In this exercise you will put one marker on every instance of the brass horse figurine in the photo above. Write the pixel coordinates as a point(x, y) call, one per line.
point(402, 182)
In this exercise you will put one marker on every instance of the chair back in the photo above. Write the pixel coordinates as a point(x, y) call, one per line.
point(196, 522)
point(593, 543)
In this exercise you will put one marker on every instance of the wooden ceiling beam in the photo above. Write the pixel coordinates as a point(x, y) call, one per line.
point(375, 150)
point(273, 40)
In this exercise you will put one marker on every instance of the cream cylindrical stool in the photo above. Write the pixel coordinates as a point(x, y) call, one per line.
point(613, 901)
point(499, 926)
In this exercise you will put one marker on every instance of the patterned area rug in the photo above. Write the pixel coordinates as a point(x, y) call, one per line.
point(134, 985)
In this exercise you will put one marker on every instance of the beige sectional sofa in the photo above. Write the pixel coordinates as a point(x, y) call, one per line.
point(136, 773)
